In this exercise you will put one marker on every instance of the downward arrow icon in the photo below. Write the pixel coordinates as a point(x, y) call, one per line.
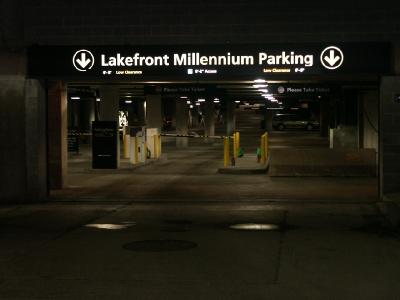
point(83, 61)
point(332, 58)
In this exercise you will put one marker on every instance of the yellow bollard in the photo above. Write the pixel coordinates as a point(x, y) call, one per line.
point(159, 145)
point(144, 151)
point(235, 144)
point(266, 142)
point(262, 148)
point(237, 141)
point(136, 150)
point(127, 143)
point(226, 151)
point(155, 146)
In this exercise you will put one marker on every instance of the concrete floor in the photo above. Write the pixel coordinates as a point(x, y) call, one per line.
point(335, 251)
point(332, 242)
point(190, 174)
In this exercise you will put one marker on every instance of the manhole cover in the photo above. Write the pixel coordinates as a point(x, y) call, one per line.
point(179, 222)
point(159, 245)
point(174, 229)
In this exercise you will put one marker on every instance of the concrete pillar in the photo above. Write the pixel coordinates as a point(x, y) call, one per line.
point(269, 114)
point(141, 112)
point(12, 135)
point(154, 112)
point(86, 114)
point(109, 105)
point(396, 58)
point(195, 118)
point(131, 114)
point(109, 109)
point(35, 141)
point(182, 121)
point(209, 118)
point(346, 133)
point(389, 136)
point(370, 119)
point(57, 134)
point(23, 164)
point(230, 117)
point(324, 117)
point(73, 114)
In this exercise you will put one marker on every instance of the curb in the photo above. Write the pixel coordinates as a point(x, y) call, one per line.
point(243, 170)
point(238, 170)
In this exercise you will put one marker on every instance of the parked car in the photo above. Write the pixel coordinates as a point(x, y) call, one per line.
point(292, 121)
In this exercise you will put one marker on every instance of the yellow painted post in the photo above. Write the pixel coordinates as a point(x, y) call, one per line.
point(159, 145)
point(266, 146)
point(235, 145)
point(238, 141)
point(155, 146)
point(226, 151)
point(145, 151)
point(127, 144)
point(136, 150)
point(262, 148)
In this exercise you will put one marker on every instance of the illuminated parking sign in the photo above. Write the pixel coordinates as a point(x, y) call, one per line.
point(332, 57)
point(199, 62)
point(83, 60)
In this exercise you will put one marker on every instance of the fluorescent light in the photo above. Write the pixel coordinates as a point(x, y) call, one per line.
point(98, 99)
point(259, 81)
point(260, 85)
point(216, 98)
point(216, 101)
point(191, 106)
point(237, 101)
point(201, 100)
point(128, 96)
point(263, 90)
point(128, 101)
point(75, 98)
point(197, 103)
point(183, 97)
point(254, 226)
point(109, 226)
point(187, 102)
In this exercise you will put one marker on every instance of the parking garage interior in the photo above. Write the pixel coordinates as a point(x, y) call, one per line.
point(275, 121)
point(321, 136)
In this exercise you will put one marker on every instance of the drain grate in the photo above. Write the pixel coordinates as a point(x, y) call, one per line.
point(159, 245)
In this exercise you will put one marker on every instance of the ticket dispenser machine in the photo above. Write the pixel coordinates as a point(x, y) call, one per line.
point(152, 138)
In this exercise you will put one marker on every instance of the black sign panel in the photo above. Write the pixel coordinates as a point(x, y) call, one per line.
point(199, 62)
point(104, 145)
